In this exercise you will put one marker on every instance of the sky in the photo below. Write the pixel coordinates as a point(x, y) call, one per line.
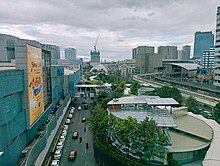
point(120, 25)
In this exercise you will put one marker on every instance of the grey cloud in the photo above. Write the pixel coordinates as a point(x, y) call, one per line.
point(122, 24)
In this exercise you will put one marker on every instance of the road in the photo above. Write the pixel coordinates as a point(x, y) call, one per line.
point(202, 98)
point(85, 157)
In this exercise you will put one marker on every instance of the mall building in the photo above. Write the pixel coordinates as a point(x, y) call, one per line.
point(188, 137)
point(32, 96)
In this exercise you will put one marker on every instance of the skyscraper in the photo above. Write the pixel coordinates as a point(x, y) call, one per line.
point(202, 42)
point(145, 59)
point(168, 52)
point(186, 52)
point(70, 53)
point(208, 60)
point(217, 50)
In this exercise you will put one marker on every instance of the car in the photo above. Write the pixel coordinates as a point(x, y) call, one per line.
point(62, 138)
point(72, 155)
point(70, 116)
point(57, 154)
point(65, 127)
point(55, 163)
point(72, 110)
point(64, 132)
point(75, 135)
point(60, 145)
point(86, 106)
point(79, 108)
point(83, 119)
point(67, 121)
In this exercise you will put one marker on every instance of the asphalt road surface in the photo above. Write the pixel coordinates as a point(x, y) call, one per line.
point(85, 157)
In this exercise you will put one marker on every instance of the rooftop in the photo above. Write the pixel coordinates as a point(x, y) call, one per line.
point(195, 134)
point(194, 126)
point(161, 116)
point(187, 66)
point(149, 100)
point(182, 142)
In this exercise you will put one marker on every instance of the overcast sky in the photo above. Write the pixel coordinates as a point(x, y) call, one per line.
point(120, 24)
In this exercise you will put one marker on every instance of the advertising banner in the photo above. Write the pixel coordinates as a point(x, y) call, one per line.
point(35, 83)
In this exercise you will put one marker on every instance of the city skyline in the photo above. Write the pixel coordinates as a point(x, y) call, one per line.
point(122, 25)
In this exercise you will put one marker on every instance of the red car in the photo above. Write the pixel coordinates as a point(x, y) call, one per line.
point(75, 135)
point(72, 155)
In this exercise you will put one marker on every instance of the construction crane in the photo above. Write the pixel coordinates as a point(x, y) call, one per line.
point(95, 45)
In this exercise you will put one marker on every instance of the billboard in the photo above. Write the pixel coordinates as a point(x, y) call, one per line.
point(35, 83)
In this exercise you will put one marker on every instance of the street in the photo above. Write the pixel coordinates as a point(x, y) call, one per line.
point(85, 157)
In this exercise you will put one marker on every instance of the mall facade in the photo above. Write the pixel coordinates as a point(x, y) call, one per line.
point(33, 93)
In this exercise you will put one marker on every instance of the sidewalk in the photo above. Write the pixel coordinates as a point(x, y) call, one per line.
point(42, 155)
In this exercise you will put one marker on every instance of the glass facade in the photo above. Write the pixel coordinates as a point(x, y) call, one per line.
point(202, 42)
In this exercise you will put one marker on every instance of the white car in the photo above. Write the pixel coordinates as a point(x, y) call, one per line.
point(55, 163)
point(57, 154)
point(64, 132)
point(71, 111)
point(79, 108)
point(67, 121)
point(62, 138)
point(60, 145)
point(65, 127)
point(70, 116)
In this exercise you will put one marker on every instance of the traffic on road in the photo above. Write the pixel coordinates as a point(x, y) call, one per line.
point(74, 145)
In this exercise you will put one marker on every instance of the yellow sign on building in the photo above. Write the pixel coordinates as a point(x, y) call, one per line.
point(35, 83)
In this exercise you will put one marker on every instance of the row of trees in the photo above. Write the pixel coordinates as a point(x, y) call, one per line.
point(169, 92)
point(145, 136)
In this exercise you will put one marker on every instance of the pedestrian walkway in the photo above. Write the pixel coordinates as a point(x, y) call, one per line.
point(41, 157)
point(212, 157)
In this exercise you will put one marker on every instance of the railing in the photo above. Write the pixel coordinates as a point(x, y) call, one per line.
point(37, 148)
point(42, 140)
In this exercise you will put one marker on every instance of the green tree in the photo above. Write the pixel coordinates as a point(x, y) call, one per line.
point(172, 92)
point(98, 122)
point(173, 162)
point(134, 87)
point(144, 136)
point(217, 112)
point(192, 104)
point(151, 139)
point(125, 131)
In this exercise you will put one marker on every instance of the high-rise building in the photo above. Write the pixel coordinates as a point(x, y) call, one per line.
point(208, 60)
point(70, 53)
point(139, 54)
point(168, 52)
point(142, 50)
point(180, 54)
point(186, 52)
point(202, 42)
point(217, 50)
point(145, 59)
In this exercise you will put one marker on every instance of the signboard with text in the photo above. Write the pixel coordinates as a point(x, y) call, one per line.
point(35, 83)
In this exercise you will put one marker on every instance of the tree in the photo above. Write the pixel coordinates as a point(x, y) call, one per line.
point(173, 162)
point(134, 87)
point(217, 112)
point(125, 131)
point(98, 122)
point(151, 139)
point(192, 104)
point(143, 137)
point(172, 92)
